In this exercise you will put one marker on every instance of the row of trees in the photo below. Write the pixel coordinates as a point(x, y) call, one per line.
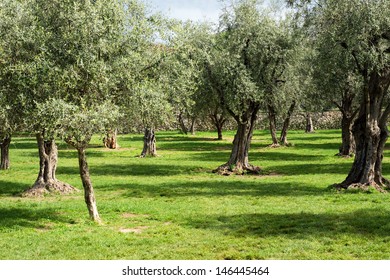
point(69, 69)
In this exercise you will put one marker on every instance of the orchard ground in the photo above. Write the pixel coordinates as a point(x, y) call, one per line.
point(174, 207)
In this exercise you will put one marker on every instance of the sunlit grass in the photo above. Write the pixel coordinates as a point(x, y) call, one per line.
point(174, 207)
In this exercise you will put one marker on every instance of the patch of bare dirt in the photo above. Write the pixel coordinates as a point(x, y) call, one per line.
point(136, 230)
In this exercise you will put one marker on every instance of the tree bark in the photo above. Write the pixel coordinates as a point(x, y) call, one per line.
point(149, 143)
point(218, 120)
point(192, 127)
point(5, 143)
point(286, 124)
point(89, 194)
point(239, 161)
point(47, 181)
point(183, 127)
point(272, 125)
point(371, 133)
point(348, 145)
point(110, 141)
point(309, 123)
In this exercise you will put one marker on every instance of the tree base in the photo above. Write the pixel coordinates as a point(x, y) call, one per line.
point(366, 188)
point(274, 146)
point(228, 170)
point(344, 155)
point(149, 155)
point(40, 189)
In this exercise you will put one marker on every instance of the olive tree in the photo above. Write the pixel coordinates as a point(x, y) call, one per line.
point(152, 109)
point(76, 50)
point(361, 29)
point(16, 52)
point(76, 125)
point(246, 69)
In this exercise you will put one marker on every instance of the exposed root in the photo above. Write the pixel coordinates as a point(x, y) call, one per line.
point(356, 187)
point(228, 170)
point(274, 146)
point(343, 156)
point(40, 189)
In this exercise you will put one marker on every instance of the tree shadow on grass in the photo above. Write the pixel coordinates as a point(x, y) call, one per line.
point(11, 188)
point(319, 146)
point(216, 189)
point(306, 169)
point(148, 169)
point(193, 145)
point(366, 222)
point(29, 217)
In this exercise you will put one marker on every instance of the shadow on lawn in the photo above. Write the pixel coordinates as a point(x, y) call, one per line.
point(11, 188)
point(29, 217)
point(206, 189)
point(367, 222)
point(147, 169)
point(295, 169)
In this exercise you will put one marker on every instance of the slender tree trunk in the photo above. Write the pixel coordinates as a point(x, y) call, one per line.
point(239, 161)
point(110, 141)
point(149, 143)
point(370, 131)
point(272, 125)
point(309, 123)
point(286, 124)
point(218, 121)
point(46, 181)
point(5, 143)
point(183, 127)
point(192, 128)
point(89, 194)
point(348, 145)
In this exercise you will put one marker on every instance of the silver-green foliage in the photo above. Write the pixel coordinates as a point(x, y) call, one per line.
point(76, 124)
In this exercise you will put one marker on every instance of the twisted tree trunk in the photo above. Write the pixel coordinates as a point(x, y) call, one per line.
point(183, 126)
point(348, 145)
point(309, 123)
point(110, 141)
point(286, 124)
point(47, 181)
point(89, 194)
point(218, 120)
point(371, 133)
point(149, 143)
point(192, 127)
point(5, 143)
point(239, 161)
point(272, 125)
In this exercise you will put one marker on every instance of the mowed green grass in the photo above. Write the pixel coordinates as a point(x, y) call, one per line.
point(174, 207)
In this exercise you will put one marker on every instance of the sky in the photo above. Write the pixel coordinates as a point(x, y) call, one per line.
point(196, 10)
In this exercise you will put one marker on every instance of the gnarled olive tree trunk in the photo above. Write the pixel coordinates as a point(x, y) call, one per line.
point(272, 124)
point(110, 141)
point(348, 146)
point(309, 123)
point(4, 145)
point(371, 133)
point(286, 124)
point(47, 181)
point(218, 120)
point(183, 126)
point(149, 143)
point(89, 194)
point(239, 161)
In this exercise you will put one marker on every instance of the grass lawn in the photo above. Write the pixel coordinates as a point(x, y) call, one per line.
point(173, 207)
